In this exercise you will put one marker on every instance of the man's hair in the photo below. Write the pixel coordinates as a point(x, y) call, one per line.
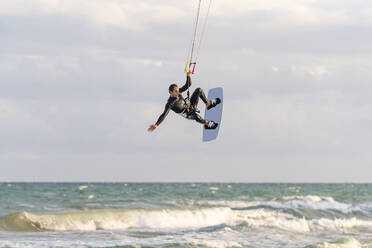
point(172, 86)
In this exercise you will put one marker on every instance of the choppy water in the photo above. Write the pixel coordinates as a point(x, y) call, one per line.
point(185, 215)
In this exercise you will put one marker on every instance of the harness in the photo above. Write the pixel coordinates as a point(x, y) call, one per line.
point(189, 111)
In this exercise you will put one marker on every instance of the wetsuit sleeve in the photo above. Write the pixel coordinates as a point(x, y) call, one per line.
point(187, 84)
point(164, 114)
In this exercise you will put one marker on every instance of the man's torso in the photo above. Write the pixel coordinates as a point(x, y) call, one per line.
point(179, 104)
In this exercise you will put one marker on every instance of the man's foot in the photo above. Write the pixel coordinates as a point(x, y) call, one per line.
point(214, 102)
point(211, 125)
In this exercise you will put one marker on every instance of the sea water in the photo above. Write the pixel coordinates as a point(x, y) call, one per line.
point(185, 215)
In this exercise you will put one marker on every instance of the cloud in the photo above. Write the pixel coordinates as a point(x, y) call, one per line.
point(287, 12)
point(316, 70)
point(108, 13)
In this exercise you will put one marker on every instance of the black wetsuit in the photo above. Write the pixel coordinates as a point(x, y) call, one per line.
point(184, 107)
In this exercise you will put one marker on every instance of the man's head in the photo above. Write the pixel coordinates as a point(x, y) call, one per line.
point(174, 90)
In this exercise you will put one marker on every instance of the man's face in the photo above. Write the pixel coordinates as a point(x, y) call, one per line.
point(175, 92)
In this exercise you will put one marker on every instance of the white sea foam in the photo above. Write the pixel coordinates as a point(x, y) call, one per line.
point(310, 201)
point(82, 187)
point(316, 202)
point(339, 224)
point(345, 243)
point(287, 222)
point(366, 207)
point(313, 198)
point(216, 243)
point(124, 219)
point(172, 219)
point(219, 239)
point(274, 219)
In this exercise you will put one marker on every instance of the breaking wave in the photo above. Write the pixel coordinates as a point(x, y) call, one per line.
point(343, 243)
point(115, 219)
point(287, 202)
point(171, 219)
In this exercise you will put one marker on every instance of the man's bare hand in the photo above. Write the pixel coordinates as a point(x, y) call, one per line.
point(152, 127)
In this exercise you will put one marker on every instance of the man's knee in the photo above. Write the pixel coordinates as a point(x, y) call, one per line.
point(199, 91)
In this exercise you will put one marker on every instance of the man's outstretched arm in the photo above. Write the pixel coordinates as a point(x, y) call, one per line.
point(161, 118)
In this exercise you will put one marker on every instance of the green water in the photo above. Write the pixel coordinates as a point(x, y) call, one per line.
point(185, 215)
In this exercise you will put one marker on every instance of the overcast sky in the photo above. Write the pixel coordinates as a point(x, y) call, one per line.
point(81, 81)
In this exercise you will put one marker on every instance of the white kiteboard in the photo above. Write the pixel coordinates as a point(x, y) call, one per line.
point(213, 114)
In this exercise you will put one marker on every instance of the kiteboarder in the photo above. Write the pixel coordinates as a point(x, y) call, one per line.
point(187, 107)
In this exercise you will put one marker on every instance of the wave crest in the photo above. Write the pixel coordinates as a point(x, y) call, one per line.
point(172, 219)
point(115, 219)
point(288, 202)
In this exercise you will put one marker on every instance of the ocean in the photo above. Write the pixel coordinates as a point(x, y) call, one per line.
point(185, 215)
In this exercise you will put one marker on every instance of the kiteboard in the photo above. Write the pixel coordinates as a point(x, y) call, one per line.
point(213, 114)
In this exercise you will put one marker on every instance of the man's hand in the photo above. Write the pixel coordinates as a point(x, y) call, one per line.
point(189, 73)
point(152, 127)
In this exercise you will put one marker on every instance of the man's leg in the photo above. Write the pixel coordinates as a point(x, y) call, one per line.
point(198, 93)
point(207, 124)
point(198, 118)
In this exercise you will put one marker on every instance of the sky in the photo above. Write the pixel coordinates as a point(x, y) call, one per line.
point(82, 80)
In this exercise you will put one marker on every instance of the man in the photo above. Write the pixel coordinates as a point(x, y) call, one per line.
point(186, 107)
